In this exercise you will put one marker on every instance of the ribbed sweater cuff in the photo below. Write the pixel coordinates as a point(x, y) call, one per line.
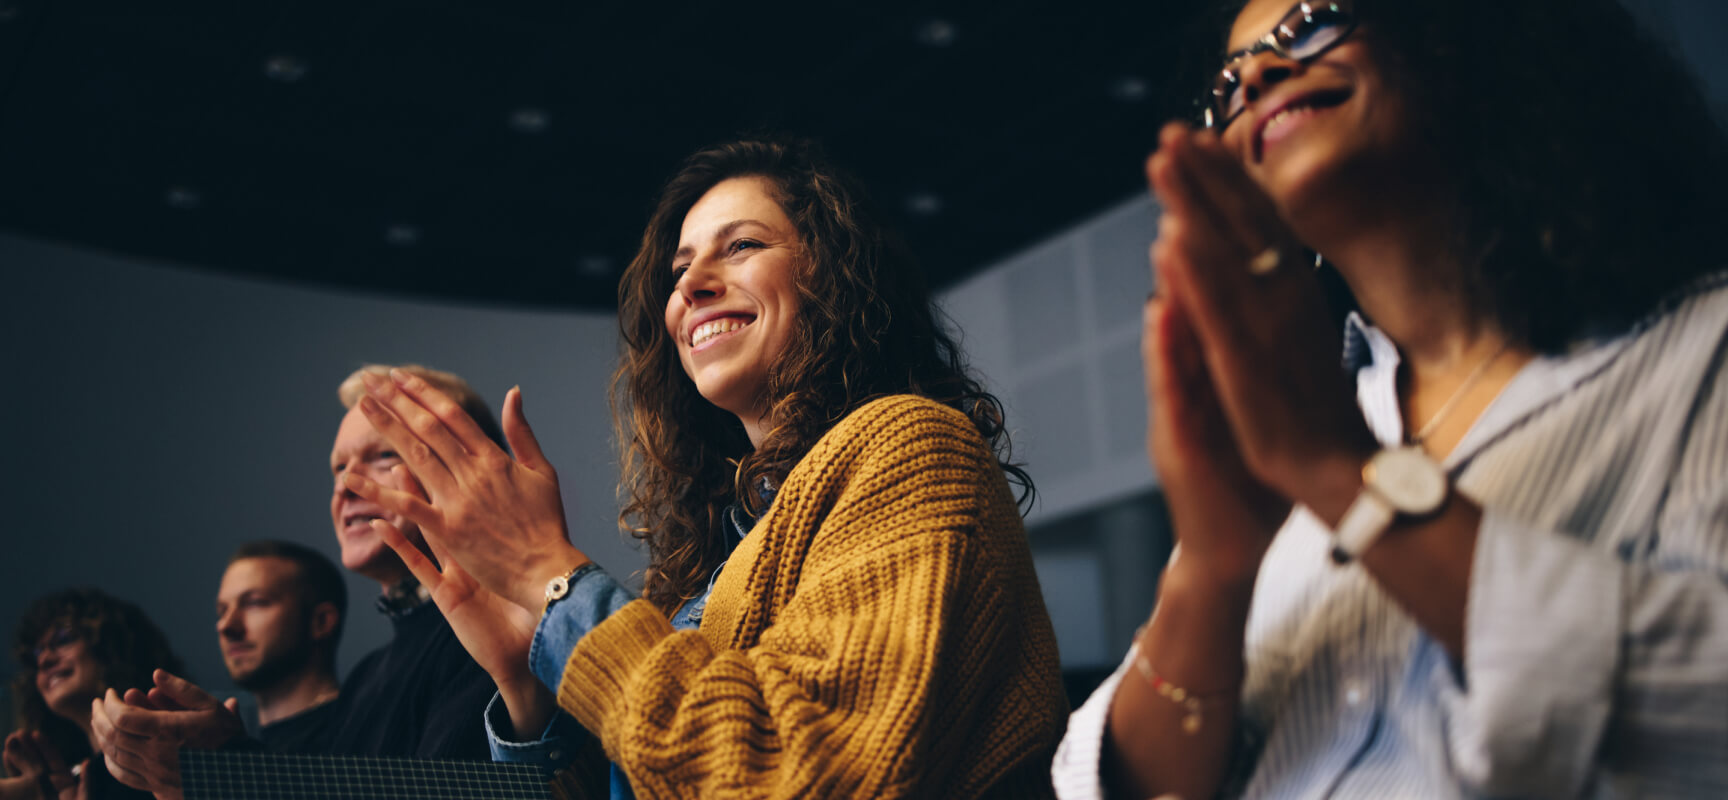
point(599, 670)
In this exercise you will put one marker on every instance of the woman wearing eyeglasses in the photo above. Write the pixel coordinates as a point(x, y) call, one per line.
point(1488, 558)
point(71, 647)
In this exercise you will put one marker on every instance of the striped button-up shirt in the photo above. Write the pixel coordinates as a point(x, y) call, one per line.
point(1597, 617)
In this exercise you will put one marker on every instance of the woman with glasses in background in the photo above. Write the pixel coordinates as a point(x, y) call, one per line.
point(72, 647)
point(1488, 558)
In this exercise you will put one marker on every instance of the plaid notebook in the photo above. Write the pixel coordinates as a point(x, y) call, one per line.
point(218, 775)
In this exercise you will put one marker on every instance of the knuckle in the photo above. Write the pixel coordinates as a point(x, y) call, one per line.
point(444, 406)
point(421, 422)
point(1169, 225)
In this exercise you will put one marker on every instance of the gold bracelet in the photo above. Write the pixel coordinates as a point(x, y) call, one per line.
point(1191, 703)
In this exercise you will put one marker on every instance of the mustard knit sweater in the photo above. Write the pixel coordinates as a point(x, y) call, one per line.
point(879, 633)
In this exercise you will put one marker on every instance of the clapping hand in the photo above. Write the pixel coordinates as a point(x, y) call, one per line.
point(140, 733)
point(36, 770)
point(495, 631)
point(500, 518)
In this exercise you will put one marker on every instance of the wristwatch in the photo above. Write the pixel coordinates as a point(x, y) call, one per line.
point(1396, 481)
point(560, 585)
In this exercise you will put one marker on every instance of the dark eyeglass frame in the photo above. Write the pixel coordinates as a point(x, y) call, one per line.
point(63, 636)
point(1298, 23)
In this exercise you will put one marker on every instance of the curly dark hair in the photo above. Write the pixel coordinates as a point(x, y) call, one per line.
point(126, 645)
point(1589, 168)
point(866, 327)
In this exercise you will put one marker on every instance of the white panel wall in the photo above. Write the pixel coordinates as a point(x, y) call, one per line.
point(1056, 332)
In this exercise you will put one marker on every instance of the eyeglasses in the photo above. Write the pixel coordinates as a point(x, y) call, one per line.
point(1307, 31)
point(61, 637)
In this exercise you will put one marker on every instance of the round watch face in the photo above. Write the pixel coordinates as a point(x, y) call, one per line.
point(1408, 479)
point(557, 588)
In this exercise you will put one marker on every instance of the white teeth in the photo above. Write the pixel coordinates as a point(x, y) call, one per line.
point(709, 330)
point(1284, 114)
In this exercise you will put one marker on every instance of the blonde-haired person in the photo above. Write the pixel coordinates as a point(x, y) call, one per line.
point(452, 385)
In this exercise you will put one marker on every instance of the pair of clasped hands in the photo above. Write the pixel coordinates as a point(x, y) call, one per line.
point(1249, 409)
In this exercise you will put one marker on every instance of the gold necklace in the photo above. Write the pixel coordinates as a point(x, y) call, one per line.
point(1451, 403)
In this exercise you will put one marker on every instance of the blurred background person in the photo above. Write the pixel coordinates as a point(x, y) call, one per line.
point(71, 647)
point(279, 614)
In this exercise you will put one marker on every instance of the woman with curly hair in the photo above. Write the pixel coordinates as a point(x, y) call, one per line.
point(72, 647)
point(1488, 560)
point(840, 599)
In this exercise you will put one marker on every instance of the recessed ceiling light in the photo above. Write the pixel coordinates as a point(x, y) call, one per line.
point(529, 120)
point(183, 198)
point(936, 33)
point(402, 235)
point(285, 68)
point(1130, 89)
point(924, 204)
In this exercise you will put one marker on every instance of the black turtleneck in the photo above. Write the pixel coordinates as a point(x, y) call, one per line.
point(421, 695)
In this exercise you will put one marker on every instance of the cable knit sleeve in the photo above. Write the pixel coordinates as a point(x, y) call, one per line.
point(879, 634)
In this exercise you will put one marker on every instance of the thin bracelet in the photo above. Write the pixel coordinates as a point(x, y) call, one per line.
point(1191, 703)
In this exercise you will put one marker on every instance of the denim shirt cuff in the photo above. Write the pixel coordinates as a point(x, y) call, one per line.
point(593, 597)
point(551, 752)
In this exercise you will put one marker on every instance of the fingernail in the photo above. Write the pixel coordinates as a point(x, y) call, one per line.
point(371, 381)
point(401, 377)
point(353, 481)
point(370, 406)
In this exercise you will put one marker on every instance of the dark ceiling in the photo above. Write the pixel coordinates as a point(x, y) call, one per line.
point(508, 152)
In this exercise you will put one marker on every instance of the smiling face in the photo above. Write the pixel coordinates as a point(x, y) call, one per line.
point(67, 674)
point(735, 303)
point(359, 448)
point(262, 622)
point(1329, 132)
